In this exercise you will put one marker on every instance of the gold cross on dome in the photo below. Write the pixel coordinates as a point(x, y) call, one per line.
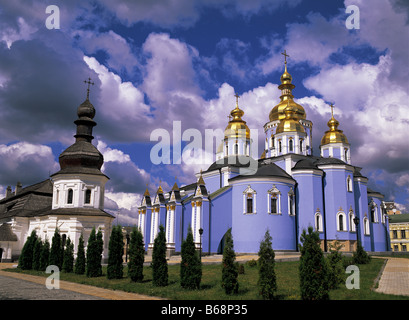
point(88, 82)
point(285, 56)
point(332, 109)
point(237, 99)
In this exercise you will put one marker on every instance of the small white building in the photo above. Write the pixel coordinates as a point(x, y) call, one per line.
point(71, 200)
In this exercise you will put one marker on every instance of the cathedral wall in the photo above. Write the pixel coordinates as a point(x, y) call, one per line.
point(248, 229)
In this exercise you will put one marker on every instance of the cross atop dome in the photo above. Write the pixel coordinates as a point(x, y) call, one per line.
point(89, 83)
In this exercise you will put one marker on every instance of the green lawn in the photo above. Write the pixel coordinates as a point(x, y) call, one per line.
point(287, 282)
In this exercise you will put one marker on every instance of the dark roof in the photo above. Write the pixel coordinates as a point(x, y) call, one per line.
point(265, 170)
point(6, 234)
point(28, 200)
point(92, 212)
point(231, 161)
point(322, 161)
point(308, 163)
point(81, 157)
point(375, 193)
point(44, 187)
point(219, 192)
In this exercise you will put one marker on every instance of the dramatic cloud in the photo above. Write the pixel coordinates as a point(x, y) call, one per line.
point(26, 162)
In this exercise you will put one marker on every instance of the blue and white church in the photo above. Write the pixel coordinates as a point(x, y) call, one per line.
point(285, 191)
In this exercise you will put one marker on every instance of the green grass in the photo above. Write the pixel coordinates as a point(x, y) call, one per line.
point(287, 283)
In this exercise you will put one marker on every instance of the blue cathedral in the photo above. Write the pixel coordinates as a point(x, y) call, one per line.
point(286, 191)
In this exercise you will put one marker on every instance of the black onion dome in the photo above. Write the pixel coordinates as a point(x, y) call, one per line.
point(86, 109)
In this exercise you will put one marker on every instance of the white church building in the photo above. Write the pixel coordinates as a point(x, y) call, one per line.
point(71, 200)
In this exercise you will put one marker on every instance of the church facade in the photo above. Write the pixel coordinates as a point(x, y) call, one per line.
point(285, 191)
point(71, 200)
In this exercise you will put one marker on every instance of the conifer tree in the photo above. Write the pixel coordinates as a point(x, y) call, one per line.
point(68, 261)
point(56, 250)
point(37, 254)
point(45, 255)
point(159, 263)
point(360, 256)
point(93, 267)
point(229, 267)
point(115, 254)
point(25, 260)
point(190, 266)
point(80, 261)
point(267, 277)
point(313, 268)
point(100, 249)
point(136, 256)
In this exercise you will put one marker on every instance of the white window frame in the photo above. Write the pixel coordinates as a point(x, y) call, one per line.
point(367, 231)
point(270, 193)
point(318, 228)
point(291, 193)
point(246, 193)
point(351, 217)
point(344, 221)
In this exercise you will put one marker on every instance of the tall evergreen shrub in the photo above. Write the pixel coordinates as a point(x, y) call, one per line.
point(68, 261)
point(25, 260)
point(93, 267)
point(267, 277)
point(229, 267)
point(56, 252)
point(115, 254)
point(159, 263)
point(313, 268)
point(45, 255)
point(136, 256)
point(80, 261)
point(190, 266)
point(37, 254)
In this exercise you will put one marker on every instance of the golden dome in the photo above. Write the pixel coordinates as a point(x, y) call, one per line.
point(291, 121)
point(237, 127)
point(333, 135)
point(286, 87)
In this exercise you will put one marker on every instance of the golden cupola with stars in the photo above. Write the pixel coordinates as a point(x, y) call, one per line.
point(287, 98)
point(334, 143)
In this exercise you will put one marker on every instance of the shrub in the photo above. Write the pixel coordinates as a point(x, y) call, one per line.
point(115, 253)
point(313, 268)
point(136, 256)
point(56, 252)
point(360, 256)
point(267, 277)
point(25, 260)
point(68, 261)
point(190, 266)
point(37, 254)
point(229, 268)
point(45, 255)
point(336, 273)
point(93, 267)
point(80, 262)
point(159, 263)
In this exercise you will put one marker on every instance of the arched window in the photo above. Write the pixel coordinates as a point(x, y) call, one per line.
point(349, 184)
point(351, 221)
point(236, 149)
point(291, 202)
point(346, 154)
point(249, 201)
point(70, 196)
point(318, 222)
point(341, 221)
point(291, 145)
point(366, 226)
point(301, 144)
point(274, 200)
point(227, 150)
point(279, 146)
point(88, 196)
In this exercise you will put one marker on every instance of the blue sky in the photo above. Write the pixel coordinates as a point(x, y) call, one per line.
point(155, 62)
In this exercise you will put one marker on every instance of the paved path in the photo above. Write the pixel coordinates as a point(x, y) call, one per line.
point(24, 286)
point(395, 277)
